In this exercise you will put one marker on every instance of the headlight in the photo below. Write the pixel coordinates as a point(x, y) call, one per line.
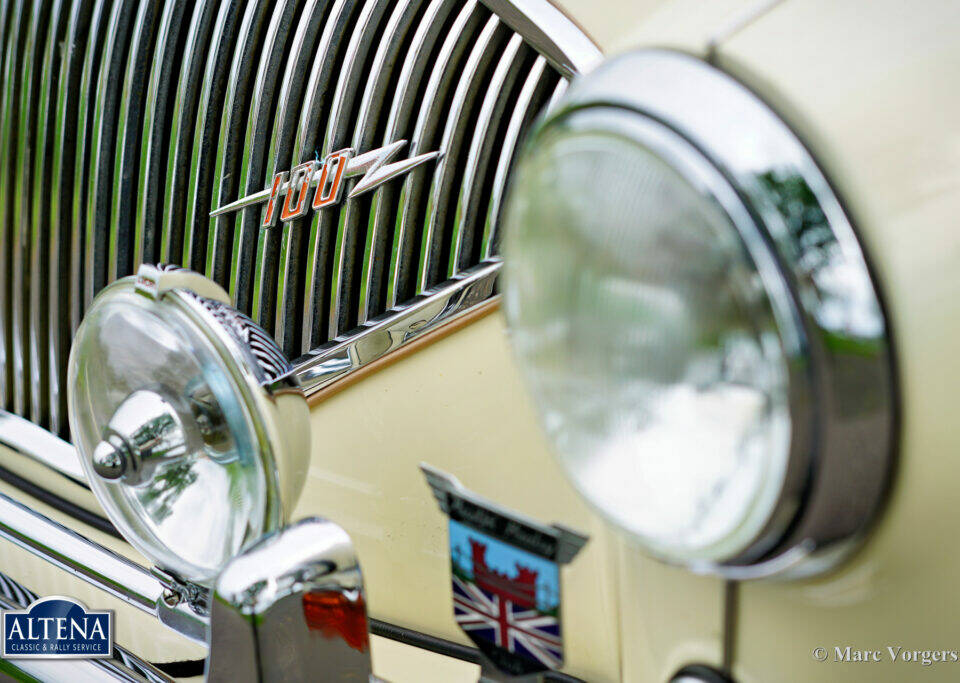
point(696, 320)
point(187, 438)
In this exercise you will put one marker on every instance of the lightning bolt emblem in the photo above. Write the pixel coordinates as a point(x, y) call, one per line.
point(289, 190)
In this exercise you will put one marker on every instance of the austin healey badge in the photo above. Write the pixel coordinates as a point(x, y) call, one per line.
point(505, 570)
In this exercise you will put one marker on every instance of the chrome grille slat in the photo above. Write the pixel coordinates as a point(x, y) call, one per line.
point(284, 153)
point(315, 109)
point(130, 125)
point(402, 108)
point(8, 14)
point(9, 118)
point(26, 343)
point(210, 27)
point(64, 246)
point(155, 131)
point(338, 135)
point(40, 237)
point(482, 141)
point(100, 243)
point(257, 150)
point(535, 89)
point(80, 292)
point(355, 217)
point(233, 131)
point(368, 118)
point(488, 46)
point(424, 138)
point(125, 124)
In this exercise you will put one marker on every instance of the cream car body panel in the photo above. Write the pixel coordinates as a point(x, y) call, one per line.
point(457, 405)
point(869, 85)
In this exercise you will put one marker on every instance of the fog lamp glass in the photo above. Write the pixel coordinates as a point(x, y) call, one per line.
point(167, 409)
point(654, 333)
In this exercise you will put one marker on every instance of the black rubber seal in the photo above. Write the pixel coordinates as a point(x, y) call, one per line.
point(65, 506)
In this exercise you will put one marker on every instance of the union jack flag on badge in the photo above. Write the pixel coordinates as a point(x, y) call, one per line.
point(505, 570)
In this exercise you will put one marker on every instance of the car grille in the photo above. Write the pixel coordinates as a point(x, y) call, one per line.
point(124, 124)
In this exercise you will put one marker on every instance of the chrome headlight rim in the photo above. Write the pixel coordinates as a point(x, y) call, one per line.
point(840, 472)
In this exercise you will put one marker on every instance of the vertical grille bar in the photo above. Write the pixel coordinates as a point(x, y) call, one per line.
point(402, 109)
point(104, 148)
point(8, 127)
point(535, 90)
point(257, 156)
point(209, 26)
point(27, 337)
point(356, 211)
point(46, 391)
point(362, 41)
point(154, 141)
point(330, 55)
point(469, 209)
point(458, 122)
point(404, 259)
point(92, 60)
point(233, 132)
point(130, 124)
point(64, 251)
point(285, 154)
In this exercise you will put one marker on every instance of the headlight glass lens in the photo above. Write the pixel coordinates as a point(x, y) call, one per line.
point(167, 441)
point(652, 333)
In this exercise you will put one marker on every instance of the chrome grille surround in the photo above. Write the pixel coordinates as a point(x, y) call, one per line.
point(125, 124)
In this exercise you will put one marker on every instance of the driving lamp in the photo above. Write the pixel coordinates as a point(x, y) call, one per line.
point(697, 323)
point(191, 431)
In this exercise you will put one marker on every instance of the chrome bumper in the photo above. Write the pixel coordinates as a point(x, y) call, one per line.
point(268, 609)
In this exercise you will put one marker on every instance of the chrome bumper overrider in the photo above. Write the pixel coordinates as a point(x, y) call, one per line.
point(258, 626)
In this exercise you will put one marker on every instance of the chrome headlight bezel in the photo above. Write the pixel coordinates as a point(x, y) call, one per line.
point(722, 137)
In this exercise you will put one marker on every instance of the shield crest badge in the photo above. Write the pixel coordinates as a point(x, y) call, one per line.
point(505, 575)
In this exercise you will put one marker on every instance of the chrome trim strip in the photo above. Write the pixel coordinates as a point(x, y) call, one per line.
point(397, 328)
point(551, 33)
point(134, 109)
point(258, 162)
point(41, 446)
point(153, 154)
point(209, 44)
point(98, 566)
point(81, 291)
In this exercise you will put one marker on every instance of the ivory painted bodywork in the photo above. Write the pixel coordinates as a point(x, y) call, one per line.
point(870, 85)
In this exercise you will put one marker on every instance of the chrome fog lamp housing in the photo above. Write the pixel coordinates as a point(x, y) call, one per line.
point(192, 434)
point(698, 323)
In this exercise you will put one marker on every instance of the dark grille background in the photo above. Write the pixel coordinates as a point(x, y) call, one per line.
point(123, 124)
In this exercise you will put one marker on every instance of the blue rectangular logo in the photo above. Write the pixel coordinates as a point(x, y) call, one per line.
point(57, 627)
